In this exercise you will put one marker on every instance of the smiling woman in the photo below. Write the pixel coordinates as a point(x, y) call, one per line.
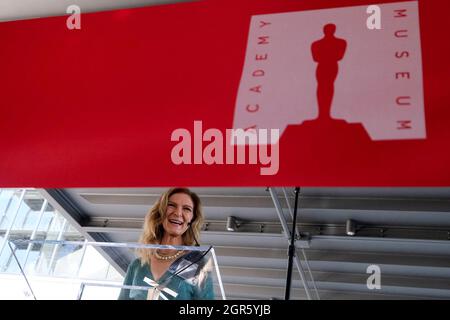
point(175, 219)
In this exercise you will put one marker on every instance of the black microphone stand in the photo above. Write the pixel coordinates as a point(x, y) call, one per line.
point(291, 251)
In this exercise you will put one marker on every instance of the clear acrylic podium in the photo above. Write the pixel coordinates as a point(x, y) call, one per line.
point(70, 270)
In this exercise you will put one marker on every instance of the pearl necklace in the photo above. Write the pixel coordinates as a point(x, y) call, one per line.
point(162, 257)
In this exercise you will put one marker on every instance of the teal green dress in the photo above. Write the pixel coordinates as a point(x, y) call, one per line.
point(186, 287)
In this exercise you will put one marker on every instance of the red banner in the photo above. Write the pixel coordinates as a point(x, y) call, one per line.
point(144, 97)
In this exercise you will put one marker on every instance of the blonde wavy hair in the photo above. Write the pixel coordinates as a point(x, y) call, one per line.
point(153, 225)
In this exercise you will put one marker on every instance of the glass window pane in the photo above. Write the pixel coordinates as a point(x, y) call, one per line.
point(4, 255)
point(113, 274)
point(71, 230)
point(9, 202)
point(67, 260)
point(26, 219)
point(56, 226)
point(12, 265)
point(34, 201)
point(28, 214)
point(5, 196)
point(94, 266)
point(46, 221)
